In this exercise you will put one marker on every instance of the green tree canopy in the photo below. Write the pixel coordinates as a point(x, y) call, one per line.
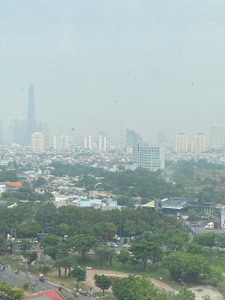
point(79, 274)
point(102, 282)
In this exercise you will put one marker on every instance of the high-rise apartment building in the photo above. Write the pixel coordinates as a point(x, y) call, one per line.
point(61, 142)
point(85, 142)
point(149, 157)
point(44, 128)
point(1, 132)
point(181, 143)
point(88, 143)
point(31, 122)
point(15, 131)
point(37, 142)
point(102, 146)
point(198, 143)
point(217, 136)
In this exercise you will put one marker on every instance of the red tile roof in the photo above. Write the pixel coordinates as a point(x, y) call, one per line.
point(15, 184)
point(52, 295)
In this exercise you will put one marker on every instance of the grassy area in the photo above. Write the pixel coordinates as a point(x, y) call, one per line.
point(154, 272)
point(68, 282)
point(9, 259)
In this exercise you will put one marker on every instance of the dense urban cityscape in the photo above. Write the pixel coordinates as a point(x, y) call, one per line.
point(112, 150)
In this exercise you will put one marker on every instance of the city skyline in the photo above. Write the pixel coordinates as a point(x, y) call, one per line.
point(148, 66)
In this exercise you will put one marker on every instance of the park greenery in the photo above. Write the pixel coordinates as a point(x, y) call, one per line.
point(156, 238)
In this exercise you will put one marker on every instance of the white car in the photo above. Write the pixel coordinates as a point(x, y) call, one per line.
point(115, 245)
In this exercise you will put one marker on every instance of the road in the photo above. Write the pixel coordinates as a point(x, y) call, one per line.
point(11, 278)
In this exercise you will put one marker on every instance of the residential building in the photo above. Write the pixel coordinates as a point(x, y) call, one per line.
point(89, 143)
point(102, 144)
point(1, 131)
point(217, 136)
point(37, 142)
point(15, 131)
point(198, 143)
point(85, 142)
point(61, 142)
point(149, 157)
point(31, 122)
point(181, 143)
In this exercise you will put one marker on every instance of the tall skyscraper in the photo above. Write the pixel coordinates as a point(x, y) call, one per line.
point(31, 122)
point(1, 132)
point(37, 142)
point(198, 143)
point(61, 142)
point(132, 139)
point(102, 146)
point(89, 143)
point(181, 143)
point(149, 157)
point(85, 142)
point(217, 136)
point(14, 131)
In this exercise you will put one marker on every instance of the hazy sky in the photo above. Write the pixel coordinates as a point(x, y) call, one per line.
point(150, 66)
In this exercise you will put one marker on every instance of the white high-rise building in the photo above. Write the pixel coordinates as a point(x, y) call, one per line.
point(85, 142)
point(149, 157)
point(89, 143)
point(218, 136)
point(61, 142)
point(102, 144)
point(181, 143)
point(37, 142)
point(198, 143)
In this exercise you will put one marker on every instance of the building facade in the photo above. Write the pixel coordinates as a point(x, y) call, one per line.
point(132, 139)
point(181, 143)
point(217, 136)
point(61, 142)
point(31, 121)
point(102, 144)
point(199, 143)
point(37, 142)
point(149, 157)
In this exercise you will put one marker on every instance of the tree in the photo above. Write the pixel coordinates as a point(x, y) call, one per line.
point(39, 182)
point(184, 294)
point(25, 245)
point(194, 248)
point(130, 228)
point(102, 282)
point(143, 250)
point(123, 256)
point(30, 257)
point(207, 239)
point(3, 244)
point(110, 228)
point(190, 264)
point(132, 288)
point(125, 201)
point(176, 242)
point(50, 240)
point(105, 253)
point(83, 243)
point(79, 274)
point(174, 263)
point(51, 251)
point(215, 275)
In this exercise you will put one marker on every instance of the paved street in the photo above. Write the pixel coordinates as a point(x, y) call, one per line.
point(11, 278)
